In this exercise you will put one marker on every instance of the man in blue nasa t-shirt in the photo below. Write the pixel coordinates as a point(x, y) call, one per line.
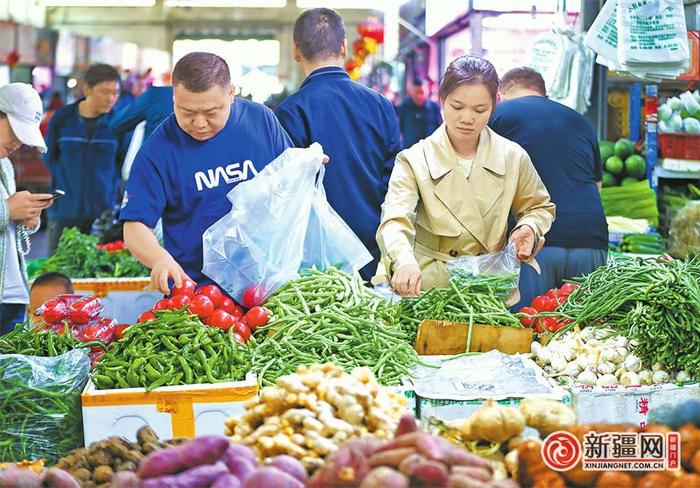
point(184, 171)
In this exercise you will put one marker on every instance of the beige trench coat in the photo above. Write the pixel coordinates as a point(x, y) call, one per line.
point(433, 213)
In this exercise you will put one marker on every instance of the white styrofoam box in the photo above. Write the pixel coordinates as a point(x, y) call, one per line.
point(171, 411)
point(618, 404)
point(124, 299)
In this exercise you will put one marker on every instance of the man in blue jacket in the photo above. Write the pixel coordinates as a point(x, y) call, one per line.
point(418, 115)
point(356, 126)
point(154, 105)
point(84, 156)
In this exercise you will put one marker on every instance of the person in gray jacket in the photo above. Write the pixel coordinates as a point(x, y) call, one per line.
point(20, 117)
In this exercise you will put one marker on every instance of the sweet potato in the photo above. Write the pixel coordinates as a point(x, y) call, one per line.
point(461, 457)
point(58, 478)
point(406, 440)
point(201, 450)
point(125, 479)
point(366, 445)
point(291, 466)
point(384, 477)
point(478, 474)
point(345, 467)
point(433, 447)
point(227, 481)
point(431, 473)
point(390, 458)
point(457, 480)
point(19, 478)
point(409, 463)
point(407, 424)
point(614, 479)
point(240, 467)
point(687, 480)
point(239, 451)
point(268, 476)
point(578, 477)
point(655, 480)
point(506, 483)
point(197, 477)
point(549, 480)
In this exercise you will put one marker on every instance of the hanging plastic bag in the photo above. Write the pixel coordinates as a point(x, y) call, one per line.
point(505, 262)
point(280, 223)
point(41, 409)
point(684, 234)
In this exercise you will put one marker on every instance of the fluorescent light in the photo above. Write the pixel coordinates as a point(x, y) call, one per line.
point(227, 3)
point(99, 3)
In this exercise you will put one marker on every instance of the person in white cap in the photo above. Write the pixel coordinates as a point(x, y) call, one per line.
point(20, 117)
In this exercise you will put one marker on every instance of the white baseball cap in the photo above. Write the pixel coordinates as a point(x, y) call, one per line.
point(22, 105)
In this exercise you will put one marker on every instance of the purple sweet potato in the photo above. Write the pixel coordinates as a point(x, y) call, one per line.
point(125, 479)
point(366, 445)
point(57, 478)
point(202, 450)
point(345, 467)
point(384, 477)
point(291, 466)
point(409, 463)
point(240, 451)
point(464, 481)
point(461, 457)
point(227, 481)
point(268, 476)
point(431, 473)
point(433, 447)
point(407, 424)
point(197, 477)
point(480, 474)
point(19, 478)
point(390, 458)
point(406, 440)
point(507, 483)
point(240, 467)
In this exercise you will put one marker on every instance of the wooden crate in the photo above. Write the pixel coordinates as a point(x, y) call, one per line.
point(447, 338)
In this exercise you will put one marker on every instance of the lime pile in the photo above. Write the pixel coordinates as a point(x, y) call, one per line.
point(622, 164)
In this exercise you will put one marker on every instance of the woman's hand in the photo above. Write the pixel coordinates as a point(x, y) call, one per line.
point(24, 205)
point(524, 239)
point(407, 280)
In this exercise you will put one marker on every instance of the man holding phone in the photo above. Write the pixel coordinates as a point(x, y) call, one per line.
point(20, 117)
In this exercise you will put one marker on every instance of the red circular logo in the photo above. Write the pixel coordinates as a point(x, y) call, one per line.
point(561, 451)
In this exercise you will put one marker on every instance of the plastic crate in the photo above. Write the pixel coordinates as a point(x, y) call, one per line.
point(679, 146)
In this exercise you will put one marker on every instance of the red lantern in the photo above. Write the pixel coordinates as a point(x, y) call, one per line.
point(372, 28)
point(12, 58)
point(358, 47)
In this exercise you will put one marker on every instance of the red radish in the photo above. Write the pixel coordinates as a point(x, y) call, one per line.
point(214, 294)
point(257, 317)
point(187, 288)
point(202, 306)
point(528, 321)
point(253, 296)
point(148, 315)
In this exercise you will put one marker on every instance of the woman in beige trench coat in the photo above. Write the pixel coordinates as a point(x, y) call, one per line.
point(452, 193)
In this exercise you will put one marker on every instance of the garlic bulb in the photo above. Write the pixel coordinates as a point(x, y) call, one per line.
point(610, 354)
point(633, 343)
point(558, 362)
point(582, 361)
point(567, 352)
point(543, 356)
point(633, 363)
point(630, 378)
point(623, 352)
point(645, 377)
point(683, 377)
point(593, 343)
point(535, 347)
point(621, 341)
point(606, 379)
point(620, 372)
point(587, 377)
point(586, 334)
point(657, 367)
point(659, 377)
point(605, 367)
point(572, 368)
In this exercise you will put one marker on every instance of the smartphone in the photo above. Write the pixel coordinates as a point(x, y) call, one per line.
point(57, 194)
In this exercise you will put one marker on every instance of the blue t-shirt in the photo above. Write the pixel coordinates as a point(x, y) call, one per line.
point(417, 122)
point(185, 181)
point(564, 149)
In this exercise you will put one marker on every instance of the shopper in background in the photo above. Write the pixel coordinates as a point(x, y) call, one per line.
point(84, 156)
point(44, 287)
point(184, 171)
point(418, 115)
point(564, 149)
point(355, 125)
point(20, 117)
point(452, 193)
point(154, 105)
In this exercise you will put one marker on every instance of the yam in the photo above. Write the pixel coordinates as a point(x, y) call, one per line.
point(390, 458)
point(146, 435)
point(479, 474)
point(695, 462)
point(431, 473)
point(125, 479)
point(19, 478)
point(99, 458)
point(227, 481)
point(132, 456)
point(407, 424)
point(690, 443)
point(82, 474)
point(457, 480)
point(200, 450)
point(196, 477)
point(291, 466)
point(268, 476)
point(384, 477)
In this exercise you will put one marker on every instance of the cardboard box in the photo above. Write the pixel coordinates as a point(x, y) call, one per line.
point(171, 411)
point(626, 404)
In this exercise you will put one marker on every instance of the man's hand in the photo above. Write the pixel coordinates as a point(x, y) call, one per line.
point(524, 239)
point(164, 269)
point(326, 158)
point(24, 205)
point(407, 280)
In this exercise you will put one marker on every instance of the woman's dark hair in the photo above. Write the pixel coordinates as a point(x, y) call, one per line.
point(319, 33)
point(469, 70)
point(99, 73)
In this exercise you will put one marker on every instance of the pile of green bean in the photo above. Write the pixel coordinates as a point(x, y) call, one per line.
point(40, 409)
point(31, 342)
point(174, 349)
point(656, 302)
point(469, 299)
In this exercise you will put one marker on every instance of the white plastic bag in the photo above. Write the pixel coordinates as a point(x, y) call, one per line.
point(280, 223)
point(499, 263)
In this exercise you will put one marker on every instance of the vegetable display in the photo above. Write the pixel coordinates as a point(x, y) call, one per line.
point(411, 458)
point(17, 477)
point(635, 200)
point(97, 463)
point(331, 317)
point(309, 413)
point(622, 163)
point(78, 256)
point(40, 409)
point(175, 348)
point(33, 342)
point(680, 114)
point(530, 316)
point(656, 303)
point(651, 243)
point(469, 299)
